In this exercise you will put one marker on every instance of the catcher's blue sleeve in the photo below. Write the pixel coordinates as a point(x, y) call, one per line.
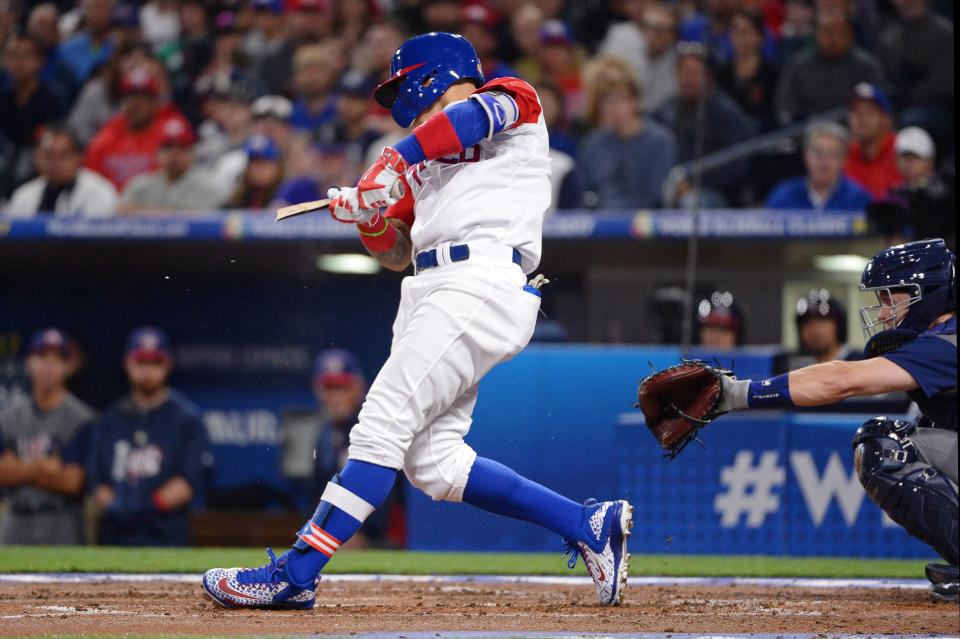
point(931, 359)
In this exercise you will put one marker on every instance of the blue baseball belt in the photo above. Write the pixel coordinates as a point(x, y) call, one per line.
point(458, 253)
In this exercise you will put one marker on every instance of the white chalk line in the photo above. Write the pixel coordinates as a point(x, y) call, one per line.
point(769, 582)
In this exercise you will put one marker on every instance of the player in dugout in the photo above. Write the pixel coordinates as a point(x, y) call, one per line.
point(909, 468)
point(466, 193)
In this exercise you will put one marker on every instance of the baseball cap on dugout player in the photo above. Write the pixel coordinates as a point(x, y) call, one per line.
point(149, 344)
point(819, 303)
point(51, 339)
point(872, 93)
point(336, 367)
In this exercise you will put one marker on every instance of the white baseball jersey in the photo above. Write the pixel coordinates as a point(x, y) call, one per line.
point(496, 191)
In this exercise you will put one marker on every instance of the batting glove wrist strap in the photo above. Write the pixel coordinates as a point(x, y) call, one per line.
point(734, 394)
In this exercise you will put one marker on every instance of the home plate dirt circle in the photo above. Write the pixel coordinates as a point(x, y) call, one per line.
point(475, 607)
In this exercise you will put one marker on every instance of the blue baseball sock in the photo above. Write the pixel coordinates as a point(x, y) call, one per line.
point(497, 489)
point(329, 527)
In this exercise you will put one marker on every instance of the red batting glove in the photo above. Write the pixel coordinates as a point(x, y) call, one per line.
point(379, 186)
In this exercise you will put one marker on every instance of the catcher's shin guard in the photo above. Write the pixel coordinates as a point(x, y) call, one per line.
point(915, 495)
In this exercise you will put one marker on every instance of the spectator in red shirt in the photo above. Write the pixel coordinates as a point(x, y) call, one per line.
point(872, 161)
point(127, 144)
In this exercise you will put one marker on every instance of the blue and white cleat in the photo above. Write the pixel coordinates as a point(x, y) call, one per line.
point(602, 542)
point(269, 586)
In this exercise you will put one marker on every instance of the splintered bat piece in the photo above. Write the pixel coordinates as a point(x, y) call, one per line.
point(299, 209)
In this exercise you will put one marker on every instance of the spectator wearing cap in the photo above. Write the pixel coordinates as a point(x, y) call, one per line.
point(92, 46)
point(559, 63)
point(101, 97)
point(872, 161)
point(821, 78)
point(349, 127)
point(315, 72)
point(127, 144)
point(149, 453)
point(720, 319)
point(748, 77)
point(44, 440)
point(917, 53)
point(27, 102)
point(315, 446)
point(189, 56)
point(271, 117)
point(825, 187)
point(712, 29)
point(479, 26)
point(924, 204)
point(177, 185)
point(267, 35)
point(262, 176)
point(64, 187)
point(725, 124)
point(624, 163)
point(226, 104)
point(306, 22)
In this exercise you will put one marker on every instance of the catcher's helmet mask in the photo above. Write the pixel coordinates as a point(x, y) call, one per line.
point(925, 270)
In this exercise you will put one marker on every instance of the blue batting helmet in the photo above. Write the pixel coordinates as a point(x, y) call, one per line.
point(926, 269)
point(422, 69)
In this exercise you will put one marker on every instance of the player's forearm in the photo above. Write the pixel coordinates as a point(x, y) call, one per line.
point(458, 126)
point(387, 240)
point(13, 472)
point(68, 480)
point(173, 495)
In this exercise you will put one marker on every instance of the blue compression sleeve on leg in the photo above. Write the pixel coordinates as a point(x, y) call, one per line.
point(369, 482)
point(495, 488)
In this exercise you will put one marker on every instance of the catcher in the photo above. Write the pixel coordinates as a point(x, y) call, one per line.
point(908, 468)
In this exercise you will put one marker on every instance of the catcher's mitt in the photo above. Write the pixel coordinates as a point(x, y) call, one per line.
point(680, 400)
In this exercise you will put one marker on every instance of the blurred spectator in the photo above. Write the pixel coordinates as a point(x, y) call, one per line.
point(825, 187)
point(349, 127)
point(626, 39)
point(149, 453)
point(659, 84)
point(724, 125)
point(177, 185)
point(64, 186)
point(90, 47)
point(373, 54)
point(229, 122)
point(315, 446)
point(160, 22)
point(306, 22)
point(479, 27)
point(559, 63)
point(748, 77)
point(190, 55)
point(315, 72)
point(100, 98)
point(872, 161)
point(721, 321)
point(42, 26)
point(440, 15)
point(564, 177)
point(797, 28)
point(924, 205)
point(821, 79)
point(44, 439)
point(917, 52)
point(626, 160)
point(711, 28)
point(262, 176)
point(525, 25)
point(26, 101)
point(267, 36)
point(127, 144)
point(271, 117)
point(353, 18)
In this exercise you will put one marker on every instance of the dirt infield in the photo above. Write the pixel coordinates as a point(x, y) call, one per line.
point(342, 608)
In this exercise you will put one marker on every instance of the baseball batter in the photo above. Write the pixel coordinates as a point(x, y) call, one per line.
point(475, 181)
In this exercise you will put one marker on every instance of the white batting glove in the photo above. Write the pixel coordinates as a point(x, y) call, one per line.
point(380, 185)
point(344, 206)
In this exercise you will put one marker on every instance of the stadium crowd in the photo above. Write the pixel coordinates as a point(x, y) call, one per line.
point(122, 107)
